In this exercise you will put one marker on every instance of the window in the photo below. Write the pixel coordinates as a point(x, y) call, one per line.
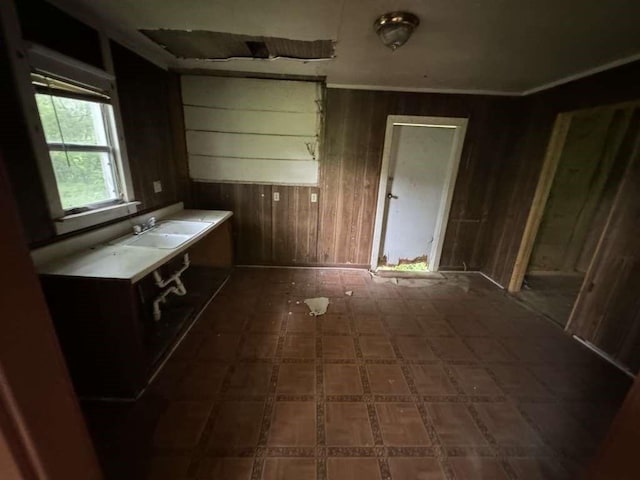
point(84, 160)
point(83, 167)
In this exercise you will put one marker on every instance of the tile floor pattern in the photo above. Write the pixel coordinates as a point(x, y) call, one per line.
point(451, 381)
point(552, 294)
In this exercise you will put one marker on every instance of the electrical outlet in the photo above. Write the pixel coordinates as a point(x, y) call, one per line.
point(157, 186)
point(314, 197)
point(276, 196)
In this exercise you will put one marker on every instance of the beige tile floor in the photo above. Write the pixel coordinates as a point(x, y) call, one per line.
point(451, 381)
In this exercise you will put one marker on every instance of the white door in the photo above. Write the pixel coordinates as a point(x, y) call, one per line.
point(420, 174)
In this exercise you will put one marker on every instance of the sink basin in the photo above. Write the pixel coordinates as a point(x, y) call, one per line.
point(179, 227)
point(168, 234)
point(158, 240)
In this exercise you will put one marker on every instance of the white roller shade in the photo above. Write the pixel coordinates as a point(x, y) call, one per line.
point(252, 130)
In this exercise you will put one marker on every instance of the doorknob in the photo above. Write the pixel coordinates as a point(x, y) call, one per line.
point(391, 195)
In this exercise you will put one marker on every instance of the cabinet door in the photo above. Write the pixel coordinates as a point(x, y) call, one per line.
point(97, 324)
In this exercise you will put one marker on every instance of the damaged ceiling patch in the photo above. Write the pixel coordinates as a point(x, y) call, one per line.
point(206, 45)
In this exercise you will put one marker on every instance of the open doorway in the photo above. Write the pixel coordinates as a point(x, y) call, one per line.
point(581, 175)
point(419, 167)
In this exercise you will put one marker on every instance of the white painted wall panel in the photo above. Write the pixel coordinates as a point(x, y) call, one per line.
point(250, 93)
point(252, 130)
point(250, 121)
point(242, 145)
point(253, 170)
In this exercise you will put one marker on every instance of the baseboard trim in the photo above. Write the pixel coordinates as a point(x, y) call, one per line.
point(351, 266)
point(492, 280)
point(324, 266)
point(605, 356)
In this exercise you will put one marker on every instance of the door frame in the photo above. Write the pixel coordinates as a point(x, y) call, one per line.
point(460, 126)
point(555, 147)
point(550, 164)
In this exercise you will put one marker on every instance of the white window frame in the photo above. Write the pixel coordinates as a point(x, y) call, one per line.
point(109, 147)
point(46, 61)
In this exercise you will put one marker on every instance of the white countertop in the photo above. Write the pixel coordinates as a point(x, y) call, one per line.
point(114, 260)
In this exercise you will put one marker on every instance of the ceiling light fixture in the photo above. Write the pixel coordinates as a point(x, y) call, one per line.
point(395, 28)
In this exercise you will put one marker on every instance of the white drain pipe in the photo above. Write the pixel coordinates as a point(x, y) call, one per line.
point(178, 289)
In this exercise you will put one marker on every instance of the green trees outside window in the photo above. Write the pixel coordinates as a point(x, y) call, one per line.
point(81, 152)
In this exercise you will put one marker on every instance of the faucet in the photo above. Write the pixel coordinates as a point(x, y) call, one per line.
point(144, 226)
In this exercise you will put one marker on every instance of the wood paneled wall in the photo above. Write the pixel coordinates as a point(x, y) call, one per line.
point(45, 24)
point(607, 312)
point(143, 89)
point(355, 127)
point(266, 232)
point(586, 165)
point(145, 100)
point(180, 157)
point(517, 177)
point(19, 157)
point(355, 123)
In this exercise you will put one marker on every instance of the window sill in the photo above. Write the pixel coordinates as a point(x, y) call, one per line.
point(78, 221)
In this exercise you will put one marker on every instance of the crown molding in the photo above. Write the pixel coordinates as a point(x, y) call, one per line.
point(583, 74)
point(451, 91)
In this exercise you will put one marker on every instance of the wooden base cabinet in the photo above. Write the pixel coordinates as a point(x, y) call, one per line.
point(111, 342)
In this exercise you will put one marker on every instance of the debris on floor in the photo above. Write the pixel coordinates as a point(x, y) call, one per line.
point(397, 274)
point(349, 293)
point(419, 264)
point(434, 278)
point(406, 282)
point(377, 279)
point(417, 282)
point(461, 281)
point(507, 392)
point(317, 306)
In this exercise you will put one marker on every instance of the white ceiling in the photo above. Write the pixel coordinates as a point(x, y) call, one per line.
point(496, 46)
